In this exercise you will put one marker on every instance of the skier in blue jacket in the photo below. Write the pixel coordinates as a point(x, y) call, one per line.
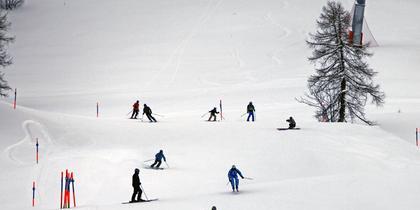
point(158, 159)
point(233, 178)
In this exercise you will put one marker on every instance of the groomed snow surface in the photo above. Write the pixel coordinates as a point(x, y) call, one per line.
point(181, 57)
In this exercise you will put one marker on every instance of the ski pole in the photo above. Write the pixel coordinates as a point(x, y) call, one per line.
point(129, 112)
point(144, 192)
point(249, 178)
point(244, 114)
point(159, 115)
point(167, 164)
point(148, 160)
point(204, 114)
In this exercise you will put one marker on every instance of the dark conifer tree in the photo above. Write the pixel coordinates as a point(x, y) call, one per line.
point(5, 59)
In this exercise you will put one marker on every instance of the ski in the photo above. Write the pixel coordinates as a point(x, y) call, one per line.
point(143, 201)
point(284, 129)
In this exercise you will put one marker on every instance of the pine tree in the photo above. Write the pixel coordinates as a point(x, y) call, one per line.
point(343, 81)
point(5, 59)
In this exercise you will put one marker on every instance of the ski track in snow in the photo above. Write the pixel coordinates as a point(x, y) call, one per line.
point(31, 128)
point(174, 60)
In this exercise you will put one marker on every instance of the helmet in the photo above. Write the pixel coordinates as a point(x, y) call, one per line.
point(137, 101)
point(233, 166)
point(161, 151)
point(145, 105)
point(136, 170)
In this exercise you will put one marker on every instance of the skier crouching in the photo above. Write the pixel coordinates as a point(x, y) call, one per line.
point(233, 178)
point(292, 123)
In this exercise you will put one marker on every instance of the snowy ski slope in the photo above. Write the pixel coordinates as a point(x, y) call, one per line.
point(181, 57)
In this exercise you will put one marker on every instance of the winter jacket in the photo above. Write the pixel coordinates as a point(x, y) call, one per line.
point(233, 173)
point(136, 180)
point(147, 110)
point(136, 106)
point(159, 156)
point(250, 108)
point(214, 111)
point(291, 121)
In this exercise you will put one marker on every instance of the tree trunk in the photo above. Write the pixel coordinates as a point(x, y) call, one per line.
point(342, 113)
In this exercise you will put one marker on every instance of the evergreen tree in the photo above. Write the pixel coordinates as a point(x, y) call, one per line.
point(343, 81)
point(5, 59)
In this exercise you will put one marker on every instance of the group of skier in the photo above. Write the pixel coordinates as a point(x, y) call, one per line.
point(233, 173)
point(146, 110)
point(233, 177)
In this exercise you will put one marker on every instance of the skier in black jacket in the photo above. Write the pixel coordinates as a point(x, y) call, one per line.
point(136, 185)
point(213, 113)
point(250, 109)
point(292, 123)
point(148, 112)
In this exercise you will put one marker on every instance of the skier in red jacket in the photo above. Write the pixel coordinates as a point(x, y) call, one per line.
point(136, 109)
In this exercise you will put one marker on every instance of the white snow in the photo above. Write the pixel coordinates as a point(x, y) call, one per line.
point(181, 57)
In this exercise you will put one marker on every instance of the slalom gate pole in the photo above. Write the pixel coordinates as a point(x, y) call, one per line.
point(66, 191)
point(97, 109)
point(14, 101)
point(37, 151)
point(417, 137)
point(61, 195)
point(72, 186)
point(221, 110)
point(144, 192)
point(33, 194)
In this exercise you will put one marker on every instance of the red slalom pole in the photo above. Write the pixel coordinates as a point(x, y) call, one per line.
point(33, 193)
point(97, 109)
point(72, 186)
point(65, 190)
point(37, 151)
point(14, 101)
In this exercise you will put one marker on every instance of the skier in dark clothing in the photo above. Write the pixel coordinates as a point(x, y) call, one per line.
point(213, 113)
point(233, 178)
point(250, 109)
point(158, 159)
point(135, 110)
point(292, 123)
point(148, 112)
point(136, 185)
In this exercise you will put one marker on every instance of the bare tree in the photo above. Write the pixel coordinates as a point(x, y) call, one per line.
point(343, 80)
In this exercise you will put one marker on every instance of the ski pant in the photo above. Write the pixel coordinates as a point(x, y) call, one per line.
point(234, 182)
point(292, 125)
point(158, 162)
point(138, 192)
point(151, 118)
point(212, 116)
point(249, 115)
point(135, 113)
